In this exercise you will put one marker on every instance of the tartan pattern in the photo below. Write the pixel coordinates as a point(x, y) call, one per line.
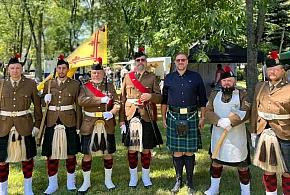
point(108, 163)
point(145, 160)
point(86, 165)
point(285, 150)
point(52, 167)
point(270, 182)
point(216, 172)
point(285, 185)
point(4, 172)
point(189, 143)
point(71, 165)
point(245, 176)
point(133, 159)
point(73, 141)
point(86, 140)
point(3, 147)
point(27, 168)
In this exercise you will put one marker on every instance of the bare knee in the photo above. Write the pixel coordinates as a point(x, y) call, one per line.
point(243, 168)
point(177, 154)
point(214, 164)
point(87, 157)
point(108, 156)
point(145, 151)
point(287, 175)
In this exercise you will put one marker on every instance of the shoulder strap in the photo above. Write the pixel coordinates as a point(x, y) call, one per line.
point(1, 88)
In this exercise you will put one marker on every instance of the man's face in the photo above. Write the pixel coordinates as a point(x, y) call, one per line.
point(15, 71)
point(275, 73)
point(62, 70)
point(97, 76)
point(181, 62)
point(228, 82)
point(140, 63)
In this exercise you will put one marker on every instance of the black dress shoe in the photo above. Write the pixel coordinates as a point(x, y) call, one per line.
point(111, 189)
point(176, 187)
point(147, 187)
point(82, 192)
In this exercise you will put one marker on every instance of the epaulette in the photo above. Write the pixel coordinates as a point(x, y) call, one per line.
point(216, 89)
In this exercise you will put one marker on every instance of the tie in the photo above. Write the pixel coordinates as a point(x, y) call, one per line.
point(14, 84)
point(61, 84)
point(272, 87)
point(138, 76)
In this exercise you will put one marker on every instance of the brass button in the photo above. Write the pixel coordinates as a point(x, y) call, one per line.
point(99, 107)
point(268, 108)
point(14, 92)
point(14, 99)
point(59, 91)
point(59, 96)
point(269, 95)
point(59, 102)
point(14, 105)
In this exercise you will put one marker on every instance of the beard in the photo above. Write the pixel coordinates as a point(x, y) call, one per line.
point(141, 67)
point(61, 76)
point(228, 90)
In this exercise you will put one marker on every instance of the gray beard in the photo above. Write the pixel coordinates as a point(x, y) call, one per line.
point(141, 67)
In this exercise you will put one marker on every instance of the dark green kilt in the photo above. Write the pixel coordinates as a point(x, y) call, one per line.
point(30, 145)
point(73, 141)
point(188, 143)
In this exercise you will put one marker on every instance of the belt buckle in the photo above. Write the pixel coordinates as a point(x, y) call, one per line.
point(268, 116)
point(14, 114)
point(57, 108)
point(183, 110)
point(99, 114)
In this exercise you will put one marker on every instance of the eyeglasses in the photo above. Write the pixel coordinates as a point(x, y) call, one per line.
point(140, 60)
point(180, 60)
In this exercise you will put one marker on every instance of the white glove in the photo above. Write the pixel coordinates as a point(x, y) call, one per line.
point(105, 100)
point(107, 115)
point(78, 131)
point(123, 129)
point(228, 128)
point(35, 131)
point(47, 98)
point(224, 123)
point(253, 138)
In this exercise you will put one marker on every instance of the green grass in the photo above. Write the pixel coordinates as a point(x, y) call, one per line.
point(162, 174)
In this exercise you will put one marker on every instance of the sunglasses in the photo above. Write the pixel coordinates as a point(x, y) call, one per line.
point(140, 60)
point(180, 60)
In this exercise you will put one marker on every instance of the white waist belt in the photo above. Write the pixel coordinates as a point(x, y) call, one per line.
point(14, 113)
point(269, 116)
point(61, 108)
point(94, 114)
point(134, 101)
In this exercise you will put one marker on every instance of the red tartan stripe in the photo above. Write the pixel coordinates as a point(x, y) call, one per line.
point(108, 163)
point(270, 182)
point(216, 172)
point(27, 168)
point(4, 172)
point(52, 167)
point(285, 185)
point(133, 159)
point(86, 165)
point(244, 176)
point(145, 160)
point(71, 165)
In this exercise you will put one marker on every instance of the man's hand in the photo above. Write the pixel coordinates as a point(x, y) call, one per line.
point(253, 138)
point(224, 123)
point(201, 124)
point(47, 98)
point(123, 129)
point(108, 115)
point(105, 100)
point(35, 131)
point(164, 123)
point(145, 97)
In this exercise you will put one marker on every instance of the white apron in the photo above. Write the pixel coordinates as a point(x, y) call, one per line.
point(234, 147)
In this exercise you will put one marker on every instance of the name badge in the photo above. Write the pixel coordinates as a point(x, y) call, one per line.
point(183, 110)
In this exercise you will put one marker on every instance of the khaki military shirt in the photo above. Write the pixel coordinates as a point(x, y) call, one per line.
point(234, 118)
point(275, 102)
point(64, 96)
point(91, 103)
point(20, 99)
point(129, 91)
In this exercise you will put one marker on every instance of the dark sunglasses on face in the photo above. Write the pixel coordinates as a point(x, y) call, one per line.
point(140, 60)
point(180, 60)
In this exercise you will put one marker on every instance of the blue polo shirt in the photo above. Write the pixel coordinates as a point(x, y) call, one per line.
point(184, 90)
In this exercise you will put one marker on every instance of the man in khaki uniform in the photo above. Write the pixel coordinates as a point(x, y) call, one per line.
point(228, 109)
point(271, 110)
point(61, 120)
point(100, 102)
point(17, 130)
point(138, 89)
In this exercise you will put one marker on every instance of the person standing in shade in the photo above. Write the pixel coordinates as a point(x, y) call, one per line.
point(17, 129)
point(227, 109)
point(100, 102)
point(183, 90)
point(218, 74)
point(61, 139)
point(139, 94)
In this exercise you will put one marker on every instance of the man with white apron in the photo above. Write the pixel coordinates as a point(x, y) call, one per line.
point(227, 110)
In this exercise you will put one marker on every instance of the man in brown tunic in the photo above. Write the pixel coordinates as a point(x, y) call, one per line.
point(228, 109)
point(61, 119)
point(100, 103)
point(271, 110)
point(17, 129)
point(138, 89)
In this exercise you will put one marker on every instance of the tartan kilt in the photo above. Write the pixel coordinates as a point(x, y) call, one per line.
point(86, 140)
point(30, 145)
point(149, 139)
point(73, 141)
point(188, 143)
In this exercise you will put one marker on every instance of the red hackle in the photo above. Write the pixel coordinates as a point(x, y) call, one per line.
point(16, 55)
point(100, 60)
point(61, 57)
point(228, 69)
point(274, 55)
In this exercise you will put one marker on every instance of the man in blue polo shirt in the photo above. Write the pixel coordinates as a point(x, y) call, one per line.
point(182, 91)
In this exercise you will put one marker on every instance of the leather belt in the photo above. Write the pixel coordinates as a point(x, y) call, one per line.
point(14, 113)
point(94, 114)
point(61, 108)
point(270, 116)
point(182, 110)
